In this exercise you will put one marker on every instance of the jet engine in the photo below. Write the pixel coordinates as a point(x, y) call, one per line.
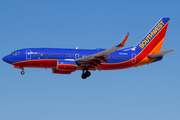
point(65, 65)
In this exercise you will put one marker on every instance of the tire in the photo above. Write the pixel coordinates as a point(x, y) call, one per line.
point(88, 73)
point(83, 76)
point(22, 72)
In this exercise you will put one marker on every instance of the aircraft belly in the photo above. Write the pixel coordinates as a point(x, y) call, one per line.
point(37, 63)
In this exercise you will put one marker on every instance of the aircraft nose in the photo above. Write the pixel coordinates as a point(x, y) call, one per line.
point(6, 59)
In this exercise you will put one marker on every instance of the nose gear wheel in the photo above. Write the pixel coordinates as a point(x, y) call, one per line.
point(22, 72)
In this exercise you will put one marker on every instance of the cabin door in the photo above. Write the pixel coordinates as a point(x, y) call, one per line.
point(28, 54)
point(133, 56)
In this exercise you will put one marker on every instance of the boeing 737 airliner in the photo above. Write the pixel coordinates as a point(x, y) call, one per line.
point(65, 61)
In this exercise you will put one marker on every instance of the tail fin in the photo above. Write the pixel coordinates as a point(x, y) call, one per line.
point(153, 41)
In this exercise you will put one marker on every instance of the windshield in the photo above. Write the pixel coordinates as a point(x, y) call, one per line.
point(14, 53)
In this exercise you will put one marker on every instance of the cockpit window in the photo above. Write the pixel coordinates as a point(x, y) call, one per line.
point(14, 53)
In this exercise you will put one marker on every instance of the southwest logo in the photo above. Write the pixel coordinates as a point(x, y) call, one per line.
point(151, 35)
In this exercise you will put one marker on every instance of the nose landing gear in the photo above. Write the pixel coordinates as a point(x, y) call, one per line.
point(19, 67)
point(85, 74)
point(22, 72)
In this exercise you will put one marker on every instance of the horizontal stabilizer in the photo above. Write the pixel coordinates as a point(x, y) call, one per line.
point(160, 54)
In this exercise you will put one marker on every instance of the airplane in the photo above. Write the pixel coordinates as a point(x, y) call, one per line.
point(66, 61)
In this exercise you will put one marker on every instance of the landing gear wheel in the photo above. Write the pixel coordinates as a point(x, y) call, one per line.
point(83, 76)
point(86, 74)
point(22, 72)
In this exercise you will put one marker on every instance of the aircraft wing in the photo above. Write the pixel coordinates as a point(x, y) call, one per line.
point(160, 54)
point(101, 56)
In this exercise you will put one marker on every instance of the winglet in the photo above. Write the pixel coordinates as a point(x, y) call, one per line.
point(123, 41)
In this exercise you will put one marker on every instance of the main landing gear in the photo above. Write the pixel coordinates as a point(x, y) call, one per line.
point(85, 74)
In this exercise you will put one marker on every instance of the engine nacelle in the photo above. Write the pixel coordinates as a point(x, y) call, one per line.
point(65, 65)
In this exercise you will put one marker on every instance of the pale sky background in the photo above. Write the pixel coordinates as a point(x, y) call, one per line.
point(150, 92)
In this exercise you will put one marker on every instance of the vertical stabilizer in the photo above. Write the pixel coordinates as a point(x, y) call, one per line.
point(153, 41)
